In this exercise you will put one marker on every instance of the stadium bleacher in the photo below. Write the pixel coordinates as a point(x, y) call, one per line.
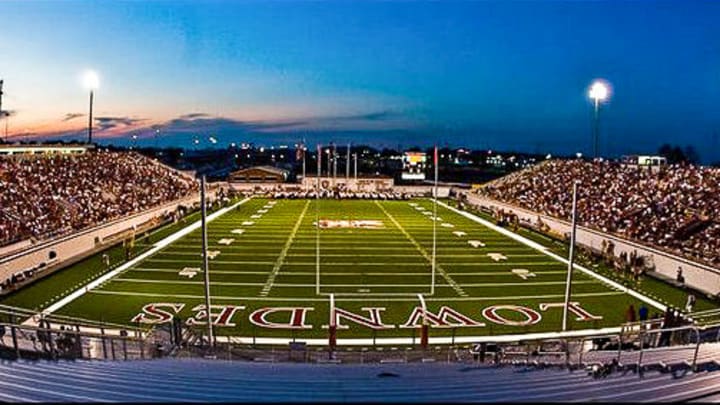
point(676, 208)
point(46, 196)
point(217, 380)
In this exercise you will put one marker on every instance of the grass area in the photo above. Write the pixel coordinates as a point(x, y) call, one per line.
point(273, 264)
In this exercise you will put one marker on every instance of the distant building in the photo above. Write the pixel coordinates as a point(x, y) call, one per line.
point(361, 184)
point(259, 174)
point(49, 149)
point(645, 161)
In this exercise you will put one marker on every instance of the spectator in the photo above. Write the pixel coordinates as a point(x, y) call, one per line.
point(630, 314)
point(676, 208)
point(42, 197)
point(643, 312)
point(680, 278)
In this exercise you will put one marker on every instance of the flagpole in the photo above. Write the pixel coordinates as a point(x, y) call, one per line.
point(206, 269)
point(347, 163)
point(334, 164)
point(355, 159)
point(317, 223)
point(303, 157)
point(434, 247)
point(571, 259)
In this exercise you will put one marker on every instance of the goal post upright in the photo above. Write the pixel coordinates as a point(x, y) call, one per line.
point(332, 326)
point(434, 244)
point(317, 221)
point(424, 327)
point(206, 267)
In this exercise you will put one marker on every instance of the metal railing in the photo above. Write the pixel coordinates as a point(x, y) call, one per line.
point(29, 334)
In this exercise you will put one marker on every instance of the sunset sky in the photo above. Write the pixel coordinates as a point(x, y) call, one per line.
point(500, 74)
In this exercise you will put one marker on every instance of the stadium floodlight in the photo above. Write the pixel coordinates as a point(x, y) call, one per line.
point(599, 92)
point(91, 81)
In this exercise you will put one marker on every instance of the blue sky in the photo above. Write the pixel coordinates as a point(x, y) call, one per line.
point(500, 74)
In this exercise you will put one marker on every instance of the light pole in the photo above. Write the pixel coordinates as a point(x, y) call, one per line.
point(2, 113)
point(599, 92)
point(91, 81)
point(571, 259)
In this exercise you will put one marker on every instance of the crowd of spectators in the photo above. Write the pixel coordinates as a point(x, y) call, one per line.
point(676, 207)
point(44, 196)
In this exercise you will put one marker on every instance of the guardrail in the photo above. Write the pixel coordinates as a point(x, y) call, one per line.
point(637, 340)
point(54, 341)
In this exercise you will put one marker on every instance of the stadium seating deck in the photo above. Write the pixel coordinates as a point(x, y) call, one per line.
point(217, 380)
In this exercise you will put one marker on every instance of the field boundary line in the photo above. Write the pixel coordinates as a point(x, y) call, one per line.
point(340, 274)
point(339, 285)
point(423, 252)
point(283, 253)
point(156, 248)
point(362, 297)
point(561, 259)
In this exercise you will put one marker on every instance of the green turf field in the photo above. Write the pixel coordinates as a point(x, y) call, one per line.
point(273, 264)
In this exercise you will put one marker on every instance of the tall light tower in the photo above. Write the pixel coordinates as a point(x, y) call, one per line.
point(599, 92)
point(91, 82)
point(2, 113)
point(1, 94)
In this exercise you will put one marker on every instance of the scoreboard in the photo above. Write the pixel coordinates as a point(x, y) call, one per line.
point(414, 164)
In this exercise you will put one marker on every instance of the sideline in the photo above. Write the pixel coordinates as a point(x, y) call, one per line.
point(156, 248)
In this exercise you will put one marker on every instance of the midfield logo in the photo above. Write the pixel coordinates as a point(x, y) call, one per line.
point(296, 317)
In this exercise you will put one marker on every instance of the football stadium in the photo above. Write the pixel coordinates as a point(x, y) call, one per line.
point(293, 253)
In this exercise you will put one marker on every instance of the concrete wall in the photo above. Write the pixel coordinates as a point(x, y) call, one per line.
point(262, 186)
point(361, 184)
point(699, 276)
point(443, 192)
point(82, 243)
point(311, 183)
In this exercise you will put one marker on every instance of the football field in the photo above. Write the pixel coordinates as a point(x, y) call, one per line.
point(273, 272)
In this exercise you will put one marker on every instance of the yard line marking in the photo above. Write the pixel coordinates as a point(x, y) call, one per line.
point(341, 274)
point(166, 270)
point(337, 299)
point(214, 261)
point(292, 285)
point(547, 251)
point(422, 251)
point(475, 257)
point(363, 264)
point(156, 248)
point(281, 259)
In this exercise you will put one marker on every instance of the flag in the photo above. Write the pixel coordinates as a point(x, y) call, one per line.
point(319, 158)
point(299, 152)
